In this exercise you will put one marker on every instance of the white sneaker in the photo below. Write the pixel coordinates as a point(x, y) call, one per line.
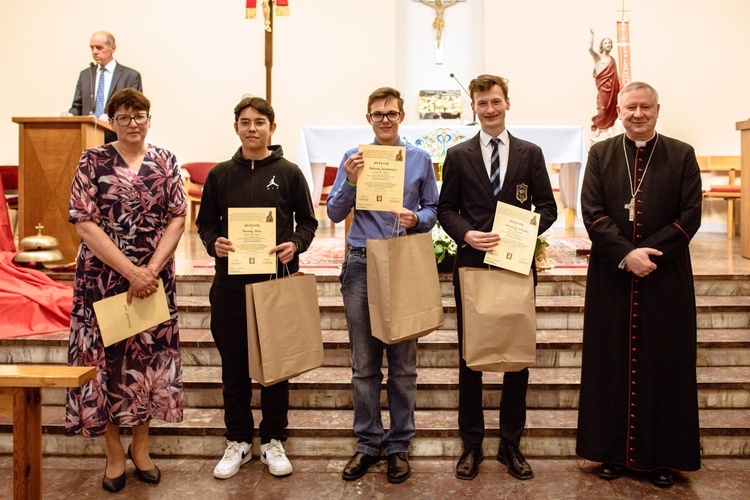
point(273, 455)
point(235, 455)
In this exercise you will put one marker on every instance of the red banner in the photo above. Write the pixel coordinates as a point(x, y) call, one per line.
point(250, 9)
point(282, 7)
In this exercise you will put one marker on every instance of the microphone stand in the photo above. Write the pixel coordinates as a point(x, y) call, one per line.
point(92, 72)
point(91, 81)
point(474, 115)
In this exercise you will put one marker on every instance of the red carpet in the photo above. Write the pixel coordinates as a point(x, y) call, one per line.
point(323, 252)
point(563, 251)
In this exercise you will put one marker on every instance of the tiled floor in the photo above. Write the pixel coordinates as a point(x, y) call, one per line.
point(431, 478)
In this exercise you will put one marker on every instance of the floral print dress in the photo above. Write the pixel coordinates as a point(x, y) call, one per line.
point(139, 378)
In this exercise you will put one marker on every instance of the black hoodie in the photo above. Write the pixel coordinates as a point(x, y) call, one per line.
point(271, 182)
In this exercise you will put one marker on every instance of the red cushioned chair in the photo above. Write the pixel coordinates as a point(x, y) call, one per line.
point(9, 176)
point(328, 179)
point(196, 178)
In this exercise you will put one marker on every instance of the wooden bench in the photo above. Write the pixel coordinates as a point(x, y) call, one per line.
point(21, 398)
point(730, 192)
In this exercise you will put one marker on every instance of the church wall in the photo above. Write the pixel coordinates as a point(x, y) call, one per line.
point(197, 58)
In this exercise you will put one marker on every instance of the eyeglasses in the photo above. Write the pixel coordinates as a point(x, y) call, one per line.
point(245, 123)
point(139, 119)
point(391, 115)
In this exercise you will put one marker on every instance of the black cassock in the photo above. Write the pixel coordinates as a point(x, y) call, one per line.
point(639, 401)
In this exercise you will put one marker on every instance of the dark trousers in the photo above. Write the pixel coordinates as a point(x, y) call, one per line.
point(229, 329)
point(470, 414)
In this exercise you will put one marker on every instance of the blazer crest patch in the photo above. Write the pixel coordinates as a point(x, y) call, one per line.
point(522, 192)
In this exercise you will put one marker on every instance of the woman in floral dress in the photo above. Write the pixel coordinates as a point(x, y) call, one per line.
point(128, 205)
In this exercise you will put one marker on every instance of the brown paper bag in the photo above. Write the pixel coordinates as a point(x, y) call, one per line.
point(284, 338)
point(499, 319)
point(403, 289)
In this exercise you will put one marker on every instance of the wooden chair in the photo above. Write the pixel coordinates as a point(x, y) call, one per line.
point(729, 192)
point(194, 181)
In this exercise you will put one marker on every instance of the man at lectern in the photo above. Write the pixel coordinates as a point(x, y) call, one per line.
point(99, 81)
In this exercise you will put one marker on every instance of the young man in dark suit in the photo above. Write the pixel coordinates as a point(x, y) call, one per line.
point(490, 167)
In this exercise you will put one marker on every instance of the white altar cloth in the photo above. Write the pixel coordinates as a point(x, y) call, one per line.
point(323, 145)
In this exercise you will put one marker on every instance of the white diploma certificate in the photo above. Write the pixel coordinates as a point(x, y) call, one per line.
point(118, 320)
point(518, 229)
point(252, 231)
point(380, 185)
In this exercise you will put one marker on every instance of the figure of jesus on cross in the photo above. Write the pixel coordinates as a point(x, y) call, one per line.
point(438, 23)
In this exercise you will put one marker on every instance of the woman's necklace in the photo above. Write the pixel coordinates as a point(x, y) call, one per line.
point(630, 207)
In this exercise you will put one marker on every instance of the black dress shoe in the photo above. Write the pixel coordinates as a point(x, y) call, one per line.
point(398, 467)
point(612, 471)
point(358, 465)
point(468, 465)
point(511, 456)
point(152, 476)
point(113, 484)
point(663, 478)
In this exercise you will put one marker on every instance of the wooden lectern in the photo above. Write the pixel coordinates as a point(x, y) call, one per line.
point(744, 128)
point(48, 153)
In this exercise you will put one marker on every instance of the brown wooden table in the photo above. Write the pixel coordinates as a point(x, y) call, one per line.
point(21, 397)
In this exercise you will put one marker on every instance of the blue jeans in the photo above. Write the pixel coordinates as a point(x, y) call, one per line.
point(367, 375)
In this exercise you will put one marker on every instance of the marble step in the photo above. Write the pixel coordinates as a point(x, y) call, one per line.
point(571, 282)
point(558, 312)
point(437, 388)
point(327, 433)
point(555, 348)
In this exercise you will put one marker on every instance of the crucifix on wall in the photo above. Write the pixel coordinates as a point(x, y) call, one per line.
point(439, 23)
point(282, 9)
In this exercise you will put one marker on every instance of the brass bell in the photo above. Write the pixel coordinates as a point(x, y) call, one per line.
point(39, 248)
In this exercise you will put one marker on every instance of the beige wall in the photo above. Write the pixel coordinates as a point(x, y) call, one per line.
point(198, 57)
point(693, 52)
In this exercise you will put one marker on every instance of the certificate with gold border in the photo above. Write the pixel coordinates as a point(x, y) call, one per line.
point(380, 185)
point(252, 231)
point(518, 229)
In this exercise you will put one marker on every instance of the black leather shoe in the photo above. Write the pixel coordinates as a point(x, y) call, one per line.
point(398, 467)
point(152, 476)
point(511, 456)
point(663, 478)
point(358, 465)
point(113, 484)
point(612, 471)
point(468, 465)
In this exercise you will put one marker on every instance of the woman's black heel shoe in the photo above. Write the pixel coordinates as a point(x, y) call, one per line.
point(152, 476)
point(113, 484)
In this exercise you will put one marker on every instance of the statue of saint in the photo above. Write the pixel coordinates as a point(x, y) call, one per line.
point(438, 23)
point(607, 85)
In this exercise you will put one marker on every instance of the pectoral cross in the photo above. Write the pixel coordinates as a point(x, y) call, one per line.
point(630, 207)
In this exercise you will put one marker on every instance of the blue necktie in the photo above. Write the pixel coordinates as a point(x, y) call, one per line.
point(99, 107)
point(495, 166)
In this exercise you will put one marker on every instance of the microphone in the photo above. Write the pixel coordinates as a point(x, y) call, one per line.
point(91, 80)
point(92, 71)
point(474, 115)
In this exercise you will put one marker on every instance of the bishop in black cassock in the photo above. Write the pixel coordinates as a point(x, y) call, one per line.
point(638, 403)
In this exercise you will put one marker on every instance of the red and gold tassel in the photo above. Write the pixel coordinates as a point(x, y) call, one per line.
point(250, 9)
point(282, 7)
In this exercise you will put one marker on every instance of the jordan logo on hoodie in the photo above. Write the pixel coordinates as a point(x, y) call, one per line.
point(272, 184)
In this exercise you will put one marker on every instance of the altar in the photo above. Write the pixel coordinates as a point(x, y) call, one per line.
point(563, 145)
